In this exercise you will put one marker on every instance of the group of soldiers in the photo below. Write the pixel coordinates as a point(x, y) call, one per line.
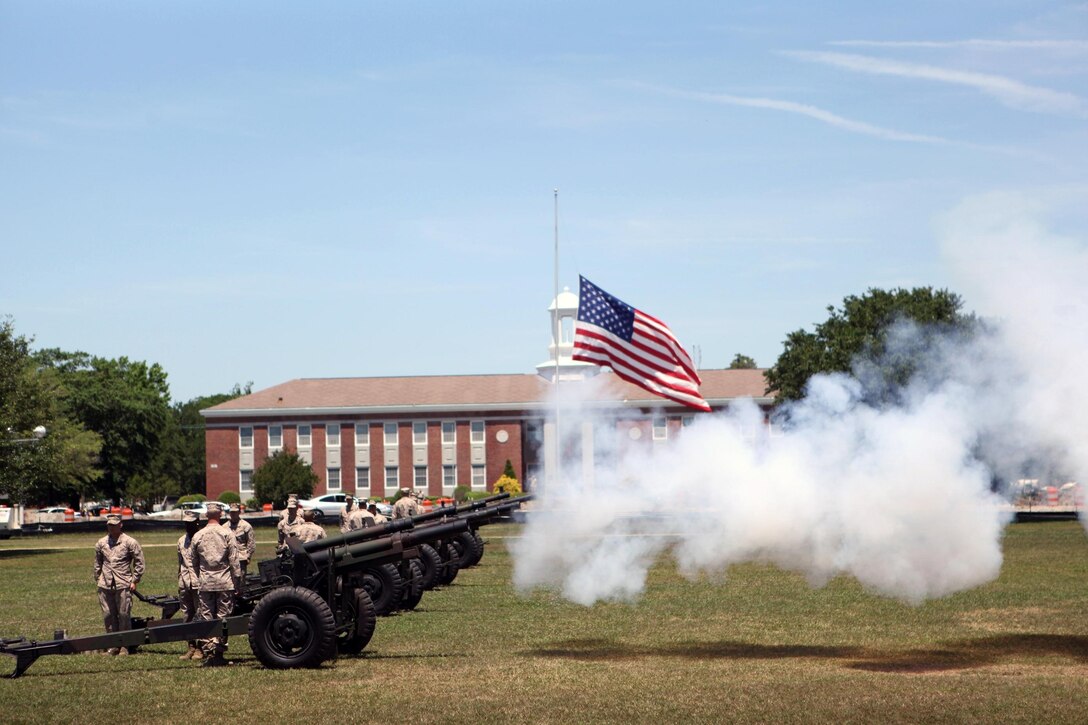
point(212, 564)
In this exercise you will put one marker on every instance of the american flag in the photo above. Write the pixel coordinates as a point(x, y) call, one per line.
point(639, 348)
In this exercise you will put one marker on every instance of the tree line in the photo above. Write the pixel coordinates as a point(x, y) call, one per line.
point(111, 429)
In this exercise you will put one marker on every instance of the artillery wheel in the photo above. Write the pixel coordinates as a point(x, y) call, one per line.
point(292, 627)
point(450, 565)
point(430, 564)
point(413, 587)
point(479, 548)
point(366, 619)
point(385, 586)
point(466, 549)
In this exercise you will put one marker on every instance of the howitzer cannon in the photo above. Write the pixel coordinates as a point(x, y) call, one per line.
point(442, 559)
point(303, 606)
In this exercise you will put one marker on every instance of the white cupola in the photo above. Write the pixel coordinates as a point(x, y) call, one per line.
point(562, 313)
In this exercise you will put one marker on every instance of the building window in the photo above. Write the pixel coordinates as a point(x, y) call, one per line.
point(333, 479)
point(390, 434)
point(332, 434)
point(479, 477)
point(275, 437)
point(419, 433)
point(449, 476)
point(245, 482)
point(421, 478)
point(245, 436)
point(449, 431)
point(392, 478)
point(362, 481)
point(566, 323)
point(477, 431)
point(362, 434)
point(535, 431)
point(687, 420)
point(304, 435)
point(661, 428)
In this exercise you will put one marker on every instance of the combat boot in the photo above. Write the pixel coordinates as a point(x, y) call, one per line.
point(123, 651)
point(188, 653)
point(198, 654)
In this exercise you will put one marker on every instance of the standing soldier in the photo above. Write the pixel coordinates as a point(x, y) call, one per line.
point(289, 523)
point(345, 514)
point(360, 518)
point(215, 561)
point(406, 506)
point(188, 592)
point(118, 568)
point(378, 518)
point(309, 531)
point(243, 536)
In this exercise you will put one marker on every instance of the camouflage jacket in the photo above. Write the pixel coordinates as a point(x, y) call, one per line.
point(118, 562)
point(406, 507)
point(360, 518)
point(244, 537)
point(215, 559)
point(186, 576)
point(309, 531)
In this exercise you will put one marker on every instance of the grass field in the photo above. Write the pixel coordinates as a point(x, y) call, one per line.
point(762, 646)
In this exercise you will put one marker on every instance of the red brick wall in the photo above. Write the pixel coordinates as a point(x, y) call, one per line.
point(221, 461)
point(497, 453)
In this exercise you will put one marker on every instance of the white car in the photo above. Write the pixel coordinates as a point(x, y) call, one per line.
point(328, 506)
point(201, 508)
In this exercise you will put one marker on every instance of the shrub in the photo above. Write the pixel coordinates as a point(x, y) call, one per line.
point(476, 495)
point(507, 484)
point(460, 494)
point(282, 473)
point(397, 496)
point(253, 504)
point(508, 470)
point(229, 497)
point(192, 497)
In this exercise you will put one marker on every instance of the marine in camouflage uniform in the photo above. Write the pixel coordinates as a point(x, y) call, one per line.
point(379, 519)
point(345, 514)
point(309, 531)
point(406, 506)
point(243, 536)
point(188, 592)
point(118, 568)
point(289, 524)
point(215, 561)
point(360, 518)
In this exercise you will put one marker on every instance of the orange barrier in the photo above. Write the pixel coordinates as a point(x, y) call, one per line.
point(267, 508)
point(115, 509)
point(126, 513)
point(69, 516)
point(1051, 496)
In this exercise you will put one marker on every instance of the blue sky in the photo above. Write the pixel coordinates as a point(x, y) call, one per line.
point(267, 191)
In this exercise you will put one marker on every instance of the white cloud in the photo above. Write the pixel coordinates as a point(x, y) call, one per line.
point(1008, 91)
point(1063, 46)
point(814, 112)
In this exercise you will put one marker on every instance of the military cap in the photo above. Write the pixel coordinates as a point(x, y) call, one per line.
point(214, 507)
point(189, 516)
point(292, 503)
point(113, 519)
point(236, 507)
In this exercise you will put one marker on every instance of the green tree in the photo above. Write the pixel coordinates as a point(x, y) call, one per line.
point(62, 464)
point(125, 402)
point(742, 362)
point(856, 334)
point(282, 473)
point(508, 470)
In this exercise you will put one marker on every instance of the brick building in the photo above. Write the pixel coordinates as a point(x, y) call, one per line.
point(371, 436)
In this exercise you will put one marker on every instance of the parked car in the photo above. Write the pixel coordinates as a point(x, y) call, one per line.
point(53, 510)
point(201, 507)
point(328, 506)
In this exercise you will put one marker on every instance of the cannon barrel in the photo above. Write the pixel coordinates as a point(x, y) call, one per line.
point(365, 552)
point(353, 537)
point(436, 513)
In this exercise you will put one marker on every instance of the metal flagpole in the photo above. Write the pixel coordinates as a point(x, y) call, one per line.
point(558, 334)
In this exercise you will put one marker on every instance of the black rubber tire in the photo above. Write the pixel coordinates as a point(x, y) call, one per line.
point(385, 587)
point(318, 516)
point(466, 547)
point(366, 620)
point(477, 550)
point(450, 565)
point(430, 564)
point(292, 627)
point(413, 586)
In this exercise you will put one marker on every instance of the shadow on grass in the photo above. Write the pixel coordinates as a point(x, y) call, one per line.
point(963, 654)
point(16, 553)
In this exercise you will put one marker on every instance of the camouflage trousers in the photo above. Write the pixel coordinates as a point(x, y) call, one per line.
point(215, 605)
point(190, 606)
point(116, 608)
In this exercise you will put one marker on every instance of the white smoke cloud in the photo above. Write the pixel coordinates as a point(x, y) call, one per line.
point(898, 496)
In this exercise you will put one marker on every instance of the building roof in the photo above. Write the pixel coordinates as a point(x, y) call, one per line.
point(464, 393)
